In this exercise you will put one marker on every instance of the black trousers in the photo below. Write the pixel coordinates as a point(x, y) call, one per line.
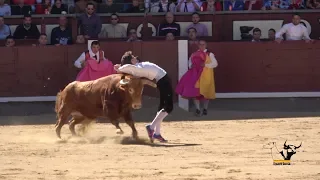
point(166, 95)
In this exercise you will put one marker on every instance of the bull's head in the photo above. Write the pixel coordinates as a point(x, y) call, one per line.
point(289, 150)
point(133, 88)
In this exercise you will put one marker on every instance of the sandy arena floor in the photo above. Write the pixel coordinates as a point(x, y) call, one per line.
point(208, 150)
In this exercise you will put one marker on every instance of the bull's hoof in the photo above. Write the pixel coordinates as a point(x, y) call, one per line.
point(151, 140)
point(119, 131)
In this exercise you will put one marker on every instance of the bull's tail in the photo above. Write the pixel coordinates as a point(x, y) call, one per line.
point(58, 103)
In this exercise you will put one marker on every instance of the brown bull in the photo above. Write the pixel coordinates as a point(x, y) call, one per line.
point(111, 97)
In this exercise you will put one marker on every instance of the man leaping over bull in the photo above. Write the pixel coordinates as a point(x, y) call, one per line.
point(131, 65)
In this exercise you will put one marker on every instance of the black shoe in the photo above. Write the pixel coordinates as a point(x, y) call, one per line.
point(204, 112)
point(198, 113)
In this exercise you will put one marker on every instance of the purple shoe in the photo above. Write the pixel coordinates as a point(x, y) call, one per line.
point(150, 131)
point(159, 138)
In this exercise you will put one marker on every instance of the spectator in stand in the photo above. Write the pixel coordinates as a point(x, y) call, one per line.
point(61, 35)
point(20, 8)
point(312, 4)
point(193, 40)
point(169, 26)
point(5, 9)
point(289, 4)
point(252, 5)
point(96, 1)
point(297, 4)
point(43, 7)
point(188, 5)
point(272, 34)
point(294, 31)
point(81, 5)
point(284, 4)
point(211, 6)
point(90, 23)
point(10, 42)
point(256, 35)
point(27, 30)
point(69, 5)
point(136, 7)
point(169, 36)
point(58, 8)
point(4, 29)
point(201, 28)
point(270, 5)
point(233, 5)
point(42, 41)
point(109, 7)
point(113, 30)
point(80, 39)
point(133, 36)
point(160, 6)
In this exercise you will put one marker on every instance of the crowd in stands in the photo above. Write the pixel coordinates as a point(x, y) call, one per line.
point(23, 7)
point(91, 27)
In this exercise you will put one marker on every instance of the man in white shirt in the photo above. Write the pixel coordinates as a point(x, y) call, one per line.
point(94, 53)
point(130, 65)
point(93, 64)
point(294, 31)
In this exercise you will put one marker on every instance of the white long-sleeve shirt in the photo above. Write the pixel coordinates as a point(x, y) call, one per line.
point(293, 32)
point(82, 58)
point(213, 64)
point(144, 69)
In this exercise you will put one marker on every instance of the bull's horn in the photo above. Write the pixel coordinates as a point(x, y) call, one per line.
point(298, 146)
point(124, 81)
point(148, 82)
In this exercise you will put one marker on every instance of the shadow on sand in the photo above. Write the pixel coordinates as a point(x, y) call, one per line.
point(143, 141)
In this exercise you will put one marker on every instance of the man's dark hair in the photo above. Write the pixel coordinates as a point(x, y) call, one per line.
point(27, 15)
point(43, 34)
point(202, 39)
point(192, 28)
point(90, 3)
point(114, 14)
point(95, 43)
point(195, 13)
point(272, 30)
point(256, 30)
point(126, 58)
point(1, 16)
point(296, 14)
point(9, 37)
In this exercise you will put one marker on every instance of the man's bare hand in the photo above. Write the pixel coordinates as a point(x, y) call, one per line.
point(309, 40)
point(116, 66)
point(278, 40)
point(83, 64)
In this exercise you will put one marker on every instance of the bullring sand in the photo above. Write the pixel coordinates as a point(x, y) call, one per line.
point(197, 150)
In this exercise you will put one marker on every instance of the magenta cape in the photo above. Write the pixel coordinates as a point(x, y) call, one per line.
point(94, 70)
point(186, 86)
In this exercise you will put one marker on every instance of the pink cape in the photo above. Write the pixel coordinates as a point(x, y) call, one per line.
point(94, 70)
point(186, 86)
